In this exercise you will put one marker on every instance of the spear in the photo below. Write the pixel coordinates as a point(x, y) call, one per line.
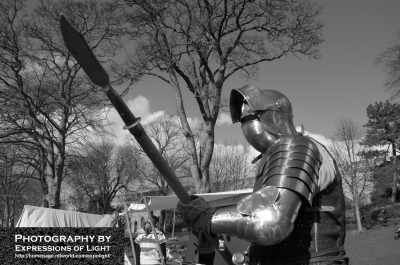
point(81, 51)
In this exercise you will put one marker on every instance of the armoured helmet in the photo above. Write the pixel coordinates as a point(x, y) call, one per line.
point(266, 115)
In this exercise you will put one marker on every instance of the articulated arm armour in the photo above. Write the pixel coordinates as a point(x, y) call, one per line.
point(287, 177)
point(292, 163)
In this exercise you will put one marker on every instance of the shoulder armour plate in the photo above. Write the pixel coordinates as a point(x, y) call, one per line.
point(293, 163)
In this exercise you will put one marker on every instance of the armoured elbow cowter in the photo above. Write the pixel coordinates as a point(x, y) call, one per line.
point(265, 217)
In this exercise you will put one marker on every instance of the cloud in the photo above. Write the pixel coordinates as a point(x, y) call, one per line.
point(151, 117)
point(251, 153)
point(319, 137)
point(194, 123)
point(140, 107)
point(224, 118)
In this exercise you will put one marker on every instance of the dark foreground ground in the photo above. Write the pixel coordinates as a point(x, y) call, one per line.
point(371, 247)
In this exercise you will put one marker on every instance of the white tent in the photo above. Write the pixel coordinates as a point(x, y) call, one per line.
point(169, 202)
point(33, 216)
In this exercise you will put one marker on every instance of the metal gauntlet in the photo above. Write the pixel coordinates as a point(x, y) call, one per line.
point(265, 217)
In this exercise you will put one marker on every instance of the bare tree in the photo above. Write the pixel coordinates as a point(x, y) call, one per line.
point(165, 134)
point(231, 167)
point(16, 175)
point(43, 93)
point(200, 44)
point(102, 172)
point(354, 168)
point(389, 59)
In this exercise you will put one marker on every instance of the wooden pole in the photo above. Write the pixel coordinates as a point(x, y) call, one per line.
point(173, 225)
point(154, 232)
point(130, 232)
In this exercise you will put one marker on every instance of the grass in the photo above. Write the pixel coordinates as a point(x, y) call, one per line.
point(370, 247)
point(374, 246)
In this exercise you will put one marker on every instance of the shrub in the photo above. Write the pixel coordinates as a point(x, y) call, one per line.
point(374, 213)
point(371, 211)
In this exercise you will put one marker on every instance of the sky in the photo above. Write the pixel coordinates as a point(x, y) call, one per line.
point(342, 83)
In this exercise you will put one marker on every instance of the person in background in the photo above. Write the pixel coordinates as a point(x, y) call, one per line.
point(206, 250)
point(146, 245)
point(382, 218)
point(396, 231)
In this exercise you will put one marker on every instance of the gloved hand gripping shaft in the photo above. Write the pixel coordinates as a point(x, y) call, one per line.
point(197, 213)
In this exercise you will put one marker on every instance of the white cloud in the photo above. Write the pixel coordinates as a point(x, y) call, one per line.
point(152, 116)
point(140, 107)
point(220, 149)
point(319, 137)
point(57, 61)
point(194, 123)
point(224, 118)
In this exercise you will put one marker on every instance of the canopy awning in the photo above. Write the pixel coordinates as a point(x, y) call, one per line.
point(170, 202)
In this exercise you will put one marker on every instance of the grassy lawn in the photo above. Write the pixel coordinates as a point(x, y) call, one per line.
point(371, 247)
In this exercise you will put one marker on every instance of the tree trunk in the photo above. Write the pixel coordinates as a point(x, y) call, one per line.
point(9, 211)
point(12, 215)
point(58, 180)
point(187, 132)
point(357, 209)
point(47, 194)
point(53, 178)
point(5, 213)
point(206, 157)
point(394, 184)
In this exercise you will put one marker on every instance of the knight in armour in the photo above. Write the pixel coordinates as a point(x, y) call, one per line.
point(296, 213)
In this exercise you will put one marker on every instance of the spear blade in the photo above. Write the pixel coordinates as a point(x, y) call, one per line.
point(76, 44)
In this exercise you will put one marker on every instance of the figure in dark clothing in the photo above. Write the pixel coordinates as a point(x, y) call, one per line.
point(396, 231)
point(382, 218)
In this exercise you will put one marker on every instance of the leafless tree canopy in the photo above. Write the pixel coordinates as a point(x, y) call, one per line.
point(354, 168)
point(49, 106)
point(103, 172)
point(389, 59)
point(44, 95)
point(231, 168)
point(166, 136)
point(202, 43)
point(17, 181)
